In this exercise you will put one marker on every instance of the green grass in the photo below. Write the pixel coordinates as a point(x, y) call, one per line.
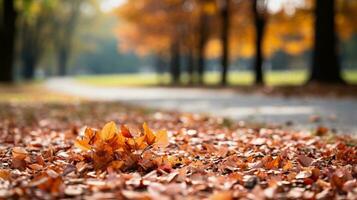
point(122, 80)
point(31, 92)
point(350, 76)
point(293, 77)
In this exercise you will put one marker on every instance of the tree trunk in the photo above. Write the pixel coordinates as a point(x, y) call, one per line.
point(33, 41)
point(62, 61)
point(160, 67)
point(28, 68)
point(191, 67)
point(225, 41)
point(175, 63)
point(7, 36)
point(259, 22)
point(325, 66)
point(201, 65)
point(64, 39)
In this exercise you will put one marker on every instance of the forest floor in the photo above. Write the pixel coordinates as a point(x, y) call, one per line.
point(46, 152)
point(58, 146)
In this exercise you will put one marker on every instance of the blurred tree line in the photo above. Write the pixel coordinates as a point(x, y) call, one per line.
point(34, 28)
point(190, 32)
point(184, 36)
point(53, 34)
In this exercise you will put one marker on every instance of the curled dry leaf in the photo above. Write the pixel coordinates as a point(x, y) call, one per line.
point(125, 131)
point(19, 153)
point(150, 137)
point(304, 160)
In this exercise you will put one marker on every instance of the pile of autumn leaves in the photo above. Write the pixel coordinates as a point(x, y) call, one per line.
point(118, 149)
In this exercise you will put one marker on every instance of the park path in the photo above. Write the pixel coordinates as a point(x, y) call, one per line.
point(340, 114)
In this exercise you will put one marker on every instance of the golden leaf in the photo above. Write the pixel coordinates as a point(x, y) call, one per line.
point(109, 130)
point(162, 139)
point(83, 144)
point(89, 133)
point(117, 164)
point(140, 142)
point(131, 143)
point(150, 137)
point(121, 140)
point(288, 165)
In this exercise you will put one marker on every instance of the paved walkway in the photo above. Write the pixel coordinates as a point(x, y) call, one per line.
point(335, 113)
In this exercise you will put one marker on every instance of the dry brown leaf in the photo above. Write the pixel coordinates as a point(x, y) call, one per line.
point(5, 174)
point(125, 131)
point(35, 166)
point(304, 160)
point(19, 153)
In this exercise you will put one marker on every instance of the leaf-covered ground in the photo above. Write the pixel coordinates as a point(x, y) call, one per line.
point(46, 152)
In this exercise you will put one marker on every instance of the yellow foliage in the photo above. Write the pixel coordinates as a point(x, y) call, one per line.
point(149, 28)
point(209, 8)
point(213, 49)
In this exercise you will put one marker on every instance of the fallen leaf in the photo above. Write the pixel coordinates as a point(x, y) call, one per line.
point(83, 144)
point(287, 166)
point(304, 160)
point(222, 195)
point(19, 153)
point(303, 174)
point(125, 131)
point(162, 139)
point(35, 166)
point(5, 174)
point(150, 137)
point(73, 190)
point(108, 131)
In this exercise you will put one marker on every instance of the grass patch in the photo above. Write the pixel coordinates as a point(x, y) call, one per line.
point(124, 80)
point(32, 92)
point(350, 76)
point(292, 77)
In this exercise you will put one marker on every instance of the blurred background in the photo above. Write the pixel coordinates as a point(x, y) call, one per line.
point(181, 42)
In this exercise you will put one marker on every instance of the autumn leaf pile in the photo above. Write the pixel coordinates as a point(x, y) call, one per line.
point(119, 149)
point(46, 152)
